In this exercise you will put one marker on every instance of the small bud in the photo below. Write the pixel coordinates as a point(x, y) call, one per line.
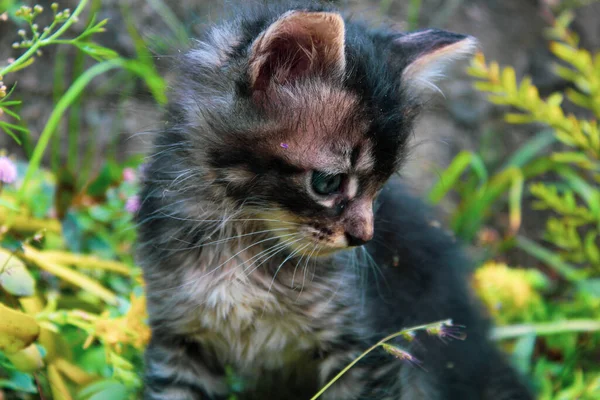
point(34, 27)
point(21, 32)
point(54, 7)
point(446, 330)
point(39, 53)
point(38, 9)
point(25, 11)
point(4, 16)
point(409, 336)
point(16, 45)
point(46, 29)
point(10, 61)
point(59, 15)
point(18, 13)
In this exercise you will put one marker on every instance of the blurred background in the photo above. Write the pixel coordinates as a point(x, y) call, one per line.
point(513, 175)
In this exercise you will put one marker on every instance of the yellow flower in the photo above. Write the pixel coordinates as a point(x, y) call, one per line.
point(129, 329)
point(508, 293)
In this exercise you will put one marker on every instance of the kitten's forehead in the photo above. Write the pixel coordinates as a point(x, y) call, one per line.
point(319, 126)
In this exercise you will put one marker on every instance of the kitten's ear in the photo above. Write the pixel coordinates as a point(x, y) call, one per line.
point(298, 44)
point(426, 55)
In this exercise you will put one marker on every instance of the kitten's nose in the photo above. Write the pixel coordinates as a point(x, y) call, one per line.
point(359, 222)
point(356, 241)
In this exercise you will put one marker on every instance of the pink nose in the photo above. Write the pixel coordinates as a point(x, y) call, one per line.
point(356, 241)
point(359, 222)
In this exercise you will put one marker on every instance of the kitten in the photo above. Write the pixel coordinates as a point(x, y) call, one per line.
point(282, 132)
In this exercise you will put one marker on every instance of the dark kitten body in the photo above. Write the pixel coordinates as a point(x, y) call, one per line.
point(283, 129)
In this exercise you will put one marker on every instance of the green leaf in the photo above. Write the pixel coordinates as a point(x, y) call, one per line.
point(20, 382)
point(591, 247)
point(97, 52)
point(14, 276)
point(590, 286)
point(522, 353)
point(15, 127)
point(590, 194)
point(454, 171)
point(109, 175)
point(531, 149)
point(516, 118)
point(10, 112)
point(552, 260)
point(10, 133)
point(514, 201)
point(104, 389)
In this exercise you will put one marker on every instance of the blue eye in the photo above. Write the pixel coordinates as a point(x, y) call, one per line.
point(325, 184)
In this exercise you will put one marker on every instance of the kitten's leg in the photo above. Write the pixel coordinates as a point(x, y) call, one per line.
point(178, 370)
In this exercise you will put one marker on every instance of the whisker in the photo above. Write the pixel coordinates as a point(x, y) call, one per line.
point(283, 247)
point(282, 263)
point(223, 263)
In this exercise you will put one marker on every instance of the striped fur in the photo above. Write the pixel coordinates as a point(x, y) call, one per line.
point(248, 269)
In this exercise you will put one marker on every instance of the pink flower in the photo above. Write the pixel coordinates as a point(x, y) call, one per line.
point(129, 175)
point(132, 205)
point(8, 170)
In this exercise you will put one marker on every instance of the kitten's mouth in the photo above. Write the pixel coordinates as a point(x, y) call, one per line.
point(318, 243)
point(305, 239)
point(311, 248)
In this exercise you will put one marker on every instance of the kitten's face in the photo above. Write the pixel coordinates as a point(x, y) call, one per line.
point(328, 174)
point(313, 171)
point(328, 127)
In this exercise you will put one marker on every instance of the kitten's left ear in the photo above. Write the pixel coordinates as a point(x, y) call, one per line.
point(427, 54)
point(299, 43)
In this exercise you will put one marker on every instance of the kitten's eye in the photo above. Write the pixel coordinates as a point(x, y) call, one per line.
point(325, 184)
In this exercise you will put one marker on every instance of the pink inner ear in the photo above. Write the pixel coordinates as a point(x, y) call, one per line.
point(299, 43)
point(289, 57)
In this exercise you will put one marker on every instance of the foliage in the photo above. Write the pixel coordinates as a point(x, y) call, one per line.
point(72, 305)
point(555, 305)
point(72, 308)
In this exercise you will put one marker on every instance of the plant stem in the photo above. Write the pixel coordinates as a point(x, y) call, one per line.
point(89, 262)
point(74, 277)
point(69, 97)
point(26, 223)
point(44, 41)
point(550, 328)
point(370, 349)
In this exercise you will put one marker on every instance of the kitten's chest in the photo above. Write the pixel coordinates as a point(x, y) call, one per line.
point(252, 320)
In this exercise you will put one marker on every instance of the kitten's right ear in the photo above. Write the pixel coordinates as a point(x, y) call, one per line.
point(299, 43)
point(426, 54)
